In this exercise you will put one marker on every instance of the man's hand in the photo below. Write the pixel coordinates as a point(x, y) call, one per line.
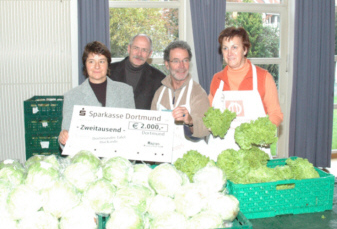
point(63, 137)
point(182, 114)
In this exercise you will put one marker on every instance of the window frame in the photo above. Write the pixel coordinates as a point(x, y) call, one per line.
point(180, 5)
point(334, 151)
point(285, 73)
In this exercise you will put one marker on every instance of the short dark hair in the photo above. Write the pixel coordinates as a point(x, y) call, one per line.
point(231, 32)
point(174, 45)
point(95, 47)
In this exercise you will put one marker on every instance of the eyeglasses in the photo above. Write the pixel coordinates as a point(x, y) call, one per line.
point(137, 49)
point(177, 61)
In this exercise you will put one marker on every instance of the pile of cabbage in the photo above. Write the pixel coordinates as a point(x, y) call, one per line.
point(68, 192)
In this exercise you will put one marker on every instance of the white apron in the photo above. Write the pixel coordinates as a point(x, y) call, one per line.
point(180, 144)
point(247, 105)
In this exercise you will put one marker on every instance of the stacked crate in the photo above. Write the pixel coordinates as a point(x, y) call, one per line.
point(43, 119)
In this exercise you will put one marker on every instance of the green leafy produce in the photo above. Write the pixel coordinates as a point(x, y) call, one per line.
point(60, 198)
point(170, 220)
point(88, 158)
point(80, 216)
point(22, 201)
point(226, 206)
point(12, 171)
point(80, 175)
point(39, 219)
point(188, 200)
point(211, 176)
point(160, 205)
point(302, 168)
point(218, 122)
point(41, 175)
point(261, 132)
point(126, 217)
point(205, 219)
point(191, 162)
point(133, 195)
point(118, 170)
point(255, 157)
point(165, 180)
point(233, 164)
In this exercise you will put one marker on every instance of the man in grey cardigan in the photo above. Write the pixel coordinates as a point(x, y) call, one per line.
point(136, 72)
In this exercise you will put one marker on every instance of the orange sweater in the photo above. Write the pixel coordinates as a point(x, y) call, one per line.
point(242, 79)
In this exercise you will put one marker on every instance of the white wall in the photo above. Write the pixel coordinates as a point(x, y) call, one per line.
point(35, 44)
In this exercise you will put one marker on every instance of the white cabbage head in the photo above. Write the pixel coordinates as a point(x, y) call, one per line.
point(22, 201)
point(80, 217)
point(189, 200)
point(118, 171)
point(134, 195)
point(125, 218)
point(99, 195)
point(5, 188)
point(88, 158)
point(140, 174)
point(80, 175)
point(40, 220)
point(160, 205)
point(12, 171)
point(172, 220)
point(227, 206)
point(205, 219)
point(41, 175)
point(6, 221)
point(60, 198)
point(165, 180)
point(211, 177)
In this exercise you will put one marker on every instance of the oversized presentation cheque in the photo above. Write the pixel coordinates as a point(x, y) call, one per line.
point(134, 134)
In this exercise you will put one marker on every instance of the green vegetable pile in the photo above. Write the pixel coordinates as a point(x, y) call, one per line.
point(260, 132)
point(238, 164)
point(51, 192)
point(250, 166)
point(218, 122)
point(191, 162)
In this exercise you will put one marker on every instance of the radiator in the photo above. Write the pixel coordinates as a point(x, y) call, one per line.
point(35, 59)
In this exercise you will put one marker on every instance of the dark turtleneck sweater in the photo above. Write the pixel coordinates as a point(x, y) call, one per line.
point(100, 91)
point(132, 74)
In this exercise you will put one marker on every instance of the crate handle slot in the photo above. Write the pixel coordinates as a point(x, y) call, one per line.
point(285, 186)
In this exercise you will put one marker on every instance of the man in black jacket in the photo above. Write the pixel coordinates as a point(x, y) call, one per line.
point(135, 71)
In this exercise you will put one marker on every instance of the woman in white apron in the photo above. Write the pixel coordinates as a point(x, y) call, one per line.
point(241, 87)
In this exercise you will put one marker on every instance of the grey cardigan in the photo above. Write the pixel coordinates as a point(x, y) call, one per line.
point(117, 95)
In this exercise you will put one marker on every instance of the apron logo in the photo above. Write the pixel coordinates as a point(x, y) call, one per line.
point(236, 106)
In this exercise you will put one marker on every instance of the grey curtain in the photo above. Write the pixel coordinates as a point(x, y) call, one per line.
point(93, 20)
point(208, 20)
point(312, 94)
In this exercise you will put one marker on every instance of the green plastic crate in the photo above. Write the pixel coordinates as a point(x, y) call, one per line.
point(262, 200)
point(42, 143)
point(240, 222)
point(44, 152)
point(43, 124)
point(43, 106)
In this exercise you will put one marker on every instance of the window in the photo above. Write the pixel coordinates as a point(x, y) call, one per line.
point(162, 20)
point(266, 23)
